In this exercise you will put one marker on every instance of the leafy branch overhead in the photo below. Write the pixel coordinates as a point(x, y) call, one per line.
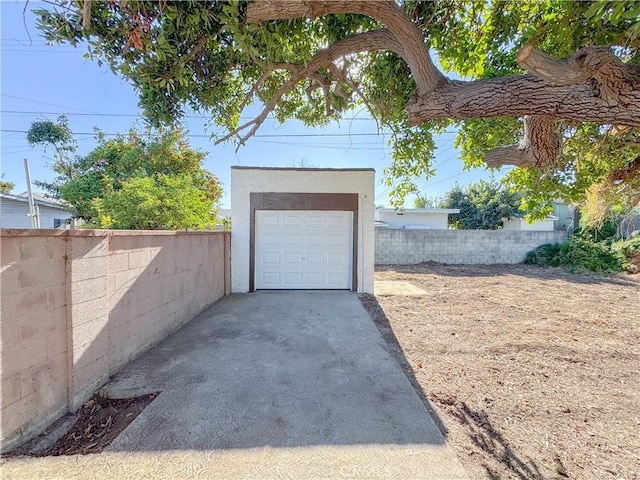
point(546, 83)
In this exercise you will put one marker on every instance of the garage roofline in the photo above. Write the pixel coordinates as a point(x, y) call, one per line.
point(304, 169)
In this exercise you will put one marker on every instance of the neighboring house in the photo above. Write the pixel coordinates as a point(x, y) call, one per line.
point(415, 218)
point(302, 228)
point(14, 211)
point(224, 213)
point(565, 214)
point(519, 223)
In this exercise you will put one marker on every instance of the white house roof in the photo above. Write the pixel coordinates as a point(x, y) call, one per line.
point(38, 198)
point(410, 211)
point(518, 217)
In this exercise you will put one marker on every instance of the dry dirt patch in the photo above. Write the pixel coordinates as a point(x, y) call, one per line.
point(533, 373)
point(95, 426)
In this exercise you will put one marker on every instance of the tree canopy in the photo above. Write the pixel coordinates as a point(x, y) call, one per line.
point(482, 205)
point(147, 181)
point(551, 87)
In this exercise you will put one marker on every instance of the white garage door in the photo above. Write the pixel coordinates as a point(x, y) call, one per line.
point(298, 249)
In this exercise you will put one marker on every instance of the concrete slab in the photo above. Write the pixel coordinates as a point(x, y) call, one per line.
point(396, 287)
point(269, 385)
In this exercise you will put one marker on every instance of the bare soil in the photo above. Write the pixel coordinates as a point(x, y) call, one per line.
point(97, 424)
point(531, 373)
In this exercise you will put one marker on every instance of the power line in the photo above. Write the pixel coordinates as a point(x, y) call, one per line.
point(136, 115)
point(45, 103)
point(275, 135)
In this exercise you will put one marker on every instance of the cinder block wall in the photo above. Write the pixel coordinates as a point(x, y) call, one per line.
point(33, 333)
point(406, 247)
point(78, 305)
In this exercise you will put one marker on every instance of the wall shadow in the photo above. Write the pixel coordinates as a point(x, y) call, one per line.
point(391, 344)
point(476, 423)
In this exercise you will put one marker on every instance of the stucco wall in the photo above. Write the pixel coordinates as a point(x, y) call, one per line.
point(434, 220)
point(522, 224)
point(405, 247)
point(246, 180)
point(78, 305)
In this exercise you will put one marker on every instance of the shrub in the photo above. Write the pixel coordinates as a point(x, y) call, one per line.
point(629, 252)
point(578, 255)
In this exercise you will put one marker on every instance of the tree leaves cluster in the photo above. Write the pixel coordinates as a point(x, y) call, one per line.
point(482, 205)
point(5, 186)
point(138, 181)
point(204, 56)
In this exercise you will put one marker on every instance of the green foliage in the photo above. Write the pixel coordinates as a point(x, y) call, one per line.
point(6, 187)
point(608, 232)
point(202, 55)
point(162, 165)
point(629, 252)
point(482, 205)
point(160, 202)
point(424, 201)
point(577, 255)
point(57, 135)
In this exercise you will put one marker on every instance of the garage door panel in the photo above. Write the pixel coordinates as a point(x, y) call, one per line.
point(270, 220)
point(293, 258)
point(271, 278)
point(271, 239)
point(313, 240)
point(335, 239)
point(292, 220)
point(292, 279)
point(337, 277)
point(303, 249)
point(315, 220)
point(292, 238)
point(335, 221)
point(336, 258)
point(271, 258)
point(315, 258)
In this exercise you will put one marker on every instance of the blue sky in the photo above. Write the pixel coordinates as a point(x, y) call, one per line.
point(39, 80)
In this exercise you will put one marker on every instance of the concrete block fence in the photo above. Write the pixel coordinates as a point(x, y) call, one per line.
point(78, 305)
point(406, 247)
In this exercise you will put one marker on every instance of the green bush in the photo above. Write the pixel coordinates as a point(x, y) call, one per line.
point(578, 255)
point(629, 252)
point(607, 232)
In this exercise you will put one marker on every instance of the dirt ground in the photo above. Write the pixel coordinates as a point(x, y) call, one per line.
point(98, 422)
point(533, 373)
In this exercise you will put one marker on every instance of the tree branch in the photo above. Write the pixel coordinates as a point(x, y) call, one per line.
point(368, 41)
point(391, 15)
point(540, 147)
point(595, 62)
point(525, 95)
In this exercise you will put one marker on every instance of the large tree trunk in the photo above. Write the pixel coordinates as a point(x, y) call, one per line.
point(592, 86)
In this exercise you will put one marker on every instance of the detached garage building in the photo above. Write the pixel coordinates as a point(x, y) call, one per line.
point(302, 228)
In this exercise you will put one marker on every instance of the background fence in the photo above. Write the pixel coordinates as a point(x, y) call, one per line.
point(405, 247)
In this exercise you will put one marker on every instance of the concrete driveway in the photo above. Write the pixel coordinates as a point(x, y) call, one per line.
point(269, 385)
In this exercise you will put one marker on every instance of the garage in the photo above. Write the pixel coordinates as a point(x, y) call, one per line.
point(302, 249)
point(302, 228)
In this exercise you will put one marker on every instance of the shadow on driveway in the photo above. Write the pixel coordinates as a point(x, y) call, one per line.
point(278, 369)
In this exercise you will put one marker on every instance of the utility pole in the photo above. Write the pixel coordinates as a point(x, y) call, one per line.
point(34, 211)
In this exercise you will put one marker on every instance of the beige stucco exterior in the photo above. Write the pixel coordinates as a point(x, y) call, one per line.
point(247, 180)
point(426, 218)
point(518, 223)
